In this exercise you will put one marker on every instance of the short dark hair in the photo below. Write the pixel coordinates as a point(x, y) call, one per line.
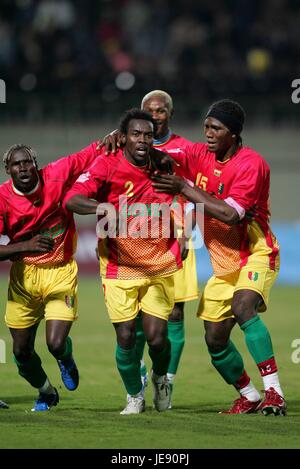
point(134, 113)
point(230, 113)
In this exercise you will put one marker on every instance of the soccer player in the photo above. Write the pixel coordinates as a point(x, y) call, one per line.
point(230, 180)
point(43, 276)
point(137, 272)
point(3, 405)
point(160, 105)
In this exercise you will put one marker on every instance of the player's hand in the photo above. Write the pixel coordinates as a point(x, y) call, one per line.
point(161, 162)
point(184, 251)
point(39, 243)
point(112, 142)
point(250, 214)
point(168, 183)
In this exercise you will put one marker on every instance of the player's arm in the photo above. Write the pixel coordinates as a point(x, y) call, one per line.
point(81, 196)
point(82, 205)
point(173, 184)
point(111, 142)
point(38, 244)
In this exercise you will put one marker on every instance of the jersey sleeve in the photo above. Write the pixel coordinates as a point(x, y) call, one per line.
point(189, 160)
point(73, 165)
point(251, 178)
point(90, 181)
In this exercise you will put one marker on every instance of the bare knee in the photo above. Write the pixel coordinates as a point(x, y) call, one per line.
point(56, 345)
point(177, 313)
point(125, 334)
point(245, 304)
point(217, 334)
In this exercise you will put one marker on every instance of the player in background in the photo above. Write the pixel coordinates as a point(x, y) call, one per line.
point(43, 275)
point(230, 180)
point(137, 272)
point(160, 105)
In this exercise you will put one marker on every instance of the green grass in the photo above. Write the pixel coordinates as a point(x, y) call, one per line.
point(89, 417)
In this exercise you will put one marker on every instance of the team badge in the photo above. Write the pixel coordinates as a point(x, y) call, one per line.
point(253, 276)
point(220, 188)
point(217, 172)
point(69, 299)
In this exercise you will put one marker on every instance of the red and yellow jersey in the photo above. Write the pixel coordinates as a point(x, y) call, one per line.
point(23, 216)
point(244, 180)
point(134, 253)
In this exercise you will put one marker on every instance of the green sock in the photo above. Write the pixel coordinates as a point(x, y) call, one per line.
point(140, 336)
point(258, 339)
point(161, 360)
point(228, 363)
point(128, 365)
point(31, 369)
point(176, 336)
point(68, 350)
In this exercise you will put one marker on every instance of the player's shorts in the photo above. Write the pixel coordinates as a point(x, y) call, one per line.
point(37, 292)
point(186, 280)
point(125, 298)
point(215, 304)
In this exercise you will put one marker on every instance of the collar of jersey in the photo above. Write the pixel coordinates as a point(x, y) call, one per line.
point(26, 193)
point(163, 140)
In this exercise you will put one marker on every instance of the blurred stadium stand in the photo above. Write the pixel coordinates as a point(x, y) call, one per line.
point(72, 67)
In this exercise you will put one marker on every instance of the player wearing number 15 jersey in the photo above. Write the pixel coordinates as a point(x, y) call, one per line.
point(232, 181)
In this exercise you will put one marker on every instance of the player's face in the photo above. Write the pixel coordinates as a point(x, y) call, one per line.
point(160, 112)
point(139, 140)
point(218, 136)
point(23, 171)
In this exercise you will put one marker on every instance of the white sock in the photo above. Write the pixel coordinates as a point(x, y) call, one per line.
point(47, 388)
point(272, 381)
point(170, 377)
point(250, 392)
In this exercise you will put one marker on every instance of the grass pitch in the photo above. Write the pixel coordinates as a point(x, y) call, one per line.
point(89, 417)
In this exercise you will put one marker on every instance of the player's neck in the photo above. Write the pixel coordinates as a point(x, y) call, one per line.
point(228, 154)
point(30, 192)
point(162, 139)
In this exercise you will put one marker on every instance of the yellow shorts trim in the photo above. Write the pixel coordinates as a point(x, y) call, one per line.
point(125, 298)
point(215, 304)
point(186, 280)
point(36, 292)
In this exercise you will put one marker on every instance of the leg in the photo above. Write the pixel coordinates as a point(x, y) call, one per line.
point(60, 346)
point(229, 363)
point(27, 360)
point(30, 367)
point(140, 346)
point(245, 306)
point(127, 359)
point(160, 353)
point(128, 364)
point(176, 336)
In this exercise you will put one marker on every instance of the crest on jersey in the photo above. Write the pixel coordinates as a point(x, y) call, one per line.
point(217, 172)
point(70, 300)
point(253, 276)
point(220, 188)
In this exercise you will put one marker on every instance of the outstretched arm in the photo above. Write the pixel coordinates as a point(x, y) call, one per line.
point(173, 184)
point(82, 205)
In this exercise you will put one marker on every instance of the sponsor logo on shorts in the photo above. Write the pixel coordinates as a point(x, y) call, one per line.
point(253, 276)
point(69, 301)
